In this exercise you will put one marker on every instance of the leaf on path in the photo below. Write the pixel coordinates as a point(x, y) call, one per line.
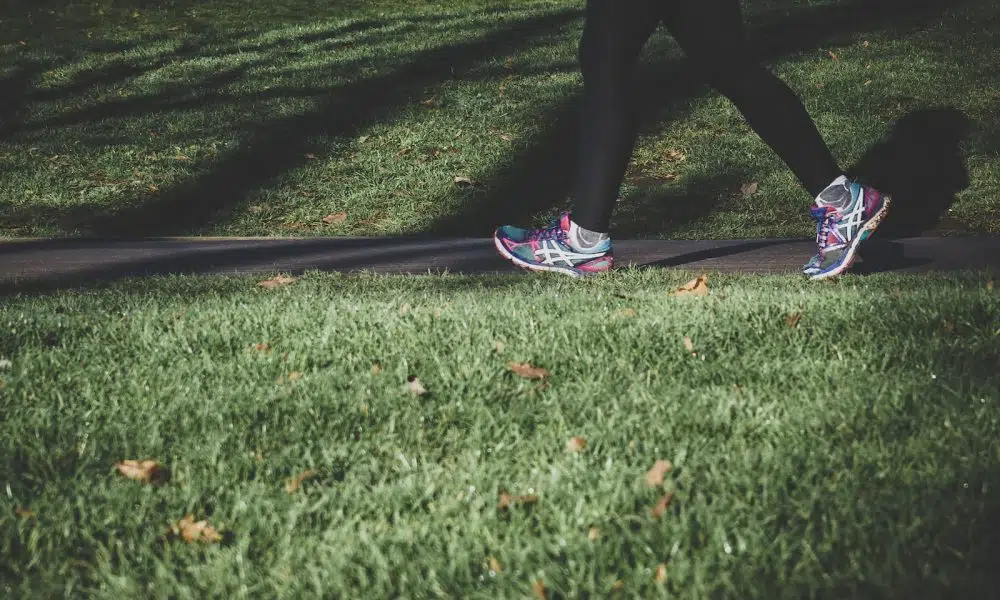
point(278, 281)
point(661, 573)
point(414, 386)
point(293, 484)
point(192, 531)
point(662, 506)
point(793, 319)
point(495, 565)
point(146, 471)
point(335, 218)
point(507, 501)
point(528, 371)
point(576, 444)
point(695, 287)
point(594, 534)
point(539, 589)
point(25, 513)
point(654, 477)
point(749, 189)
point(463, 181)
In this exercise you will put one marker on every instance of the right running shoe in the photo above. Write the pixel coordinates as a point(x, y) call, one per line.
point(839, 232)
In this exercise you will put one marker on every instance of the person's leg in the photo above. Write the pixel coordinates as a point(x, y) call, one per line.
point(613, 38)
point(711, 34)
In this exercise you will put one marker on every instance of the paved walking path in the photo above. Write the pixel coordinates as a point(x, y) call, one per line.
point(65, 262)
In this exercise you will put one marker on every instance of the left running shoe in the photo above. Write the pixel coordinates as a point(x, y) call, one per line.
point(839, 232)
point(548, 249)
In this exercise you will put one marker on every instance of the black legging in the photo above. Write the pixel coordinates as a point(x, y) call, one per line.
point(711, 34)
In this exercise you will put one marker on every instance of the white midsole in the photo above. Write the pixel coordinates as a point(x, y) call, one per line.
point(532, 266)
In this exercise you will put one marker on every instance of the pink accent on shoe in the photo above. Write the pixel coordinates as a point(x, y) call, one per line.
point(598, 265)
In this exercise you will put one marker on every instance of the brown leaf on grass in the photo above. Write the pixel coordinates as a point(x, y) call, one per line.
point(948, 326)
point(833, 55)
point(866, 44)
point(528, 371)
point(793, 319)
point(507, 501)
point(695, 287)
point(661, 573)
point(295, 376)
point(376, 367)
point(538, 587)
point(499, 346)
point(662, 506)
point(414, 386)
point(24, 513)
point(293, 484)
point(749, 189)
point(688, 344)
point(335, 218)
point(654, 477)
point(617, 585)
point(404, 310)
point(278, 281)
point(145, 471)
point(262, 347)
point(192, 531)
point(989, 285)
point(675, 155)
point(594, 534)
point(627, 312)
point(495, 565)
point(463, 181)
point(576, 444)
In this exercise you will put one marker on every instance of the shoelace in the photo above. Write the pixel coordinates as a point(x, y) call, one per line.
point(553, 231)
point(825, 221)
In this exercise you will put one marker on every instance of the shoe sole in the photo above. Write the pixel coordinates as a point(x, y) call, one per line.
point(866, 230)
point(534, 266)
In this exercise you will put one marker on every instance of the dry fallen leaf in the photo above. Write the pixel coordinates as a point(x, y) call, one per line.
point(293, 484)
point(335, 218)
point(989, 285)
point(376, 367)
point(749, 189)
point(507, 501)
point(617, 585)
point(295, 376)
point(866, 44)
point(499, 346)
point(662, 505)
point(413, 384)
point(793, 320)
point(278, 281)
point(404, 310)
point(25, 513)
point(674, 155)
point(146, 471)
point(576, 444)
point(539, 589)
point(948, 326)
point(594, 534)
point(262, 347)
point(832, 55)
point(654, 476)
point(195, 531)
point(628, 312)
point(310, 156)
point(461, 180)
point(661, 573)
point(688, 344)
point(495, 565)
point(695, 287)
point(528, 371)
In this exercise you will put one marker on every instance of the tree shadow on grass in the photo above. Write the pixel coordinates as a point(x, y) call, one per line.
point(540, 178)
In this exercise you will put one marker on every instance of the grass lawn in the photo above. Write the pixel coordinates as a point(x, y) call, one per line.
point(167, 118)
point(851, 456)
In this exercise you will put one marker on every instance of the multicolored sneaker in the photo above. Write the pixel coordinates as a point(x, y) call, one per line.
point(840, 231)
point(548, 249)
